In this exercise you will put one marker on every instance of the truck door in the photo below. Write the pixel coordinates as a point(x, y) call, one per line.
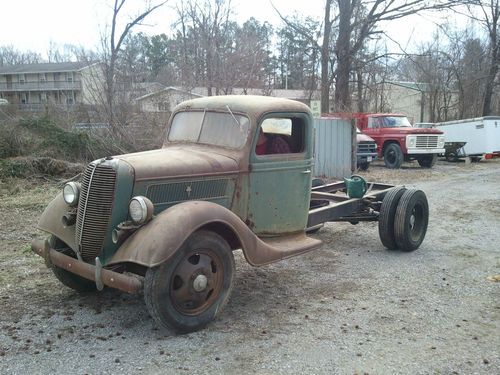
point(280, 177)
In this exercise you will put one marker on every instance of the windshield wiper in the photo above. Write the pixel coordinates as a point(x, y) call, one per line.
point(234, 117)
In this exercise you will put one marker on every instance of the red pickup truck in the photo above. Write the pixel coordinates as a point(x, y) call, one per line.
point(397, 140)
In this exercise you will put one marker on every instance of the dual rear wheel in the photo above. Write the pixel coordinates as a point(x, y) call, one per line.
point(403, 220)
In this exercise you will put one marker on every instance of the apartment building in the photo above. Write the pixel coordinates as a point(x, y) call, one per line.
point(67, 84)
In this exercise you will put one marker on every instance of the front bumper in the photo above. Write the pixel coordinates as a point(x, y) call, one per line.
point(126, 283)
point(420, 151)
point(366, 157)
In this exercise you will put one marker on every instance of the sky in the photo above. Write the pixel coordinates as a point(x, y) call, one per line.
point(35, 24)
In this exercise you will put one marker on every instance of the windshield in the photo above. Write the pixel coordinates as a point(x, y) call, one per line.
point(214, 128)
point(388, 122)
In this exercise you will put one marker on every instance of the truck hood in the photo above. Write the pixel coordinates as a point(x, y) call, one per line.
point(360, 137)
point(178, 162)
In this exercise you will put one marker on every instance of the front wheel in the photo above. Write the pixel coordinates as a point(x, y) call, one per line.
point(71, 280)
point(427, 161)
point(188, 291)
point(363, 166)
point(393, 156)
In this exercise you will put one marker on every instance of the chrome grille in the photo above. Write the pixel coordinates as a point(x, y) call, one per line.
point(427, 141)
point(94, 209)
point(365, 147)
point(189, 190)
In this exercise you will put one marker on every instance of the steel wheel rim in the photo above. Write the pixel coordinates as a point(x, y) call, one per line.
point(196, 282)
point(391, 156)
point(416, 222)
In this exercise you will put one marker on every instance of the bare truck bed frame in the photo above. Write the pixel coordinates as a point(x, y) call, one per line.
point(330, 202)
point(402, 214)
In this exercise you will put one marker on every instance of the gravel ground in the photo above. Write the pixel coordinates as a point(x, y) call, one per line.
point(351, 307)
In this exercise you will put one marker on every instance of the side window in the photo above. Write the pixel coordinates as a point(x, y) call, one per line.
point(373, 122)
point(281, 135)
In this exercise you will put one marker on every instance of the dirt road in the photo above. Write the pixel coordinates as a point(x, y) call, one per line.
point(351, 307)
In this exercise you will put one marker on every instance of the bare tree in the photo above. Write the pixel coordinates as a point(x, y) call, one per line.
point(112, 45)
point(347, 26)
point(358, 21)
point(204, 28)
point(489, 14)
point(325, 58)
point(11, 56)
point(61, 53)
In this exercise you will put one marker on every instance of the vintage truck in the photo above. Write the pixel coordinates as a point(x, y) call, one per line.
point(167, 221)
point(366, 150)
point(397, 140)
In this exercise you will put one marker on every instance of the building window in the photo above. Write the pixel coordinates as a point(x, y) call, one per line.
point(42, 77)
point(21, 78)
point(69, 76)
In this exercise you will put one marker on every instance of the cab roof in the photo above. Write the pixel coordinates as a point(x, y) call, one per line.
point(253, 105)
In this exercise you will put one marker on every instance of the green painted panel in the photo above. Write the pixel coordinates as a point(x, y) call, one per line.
point(123, 193)
point(280, 185)
point(167, 193)
point(279, 196)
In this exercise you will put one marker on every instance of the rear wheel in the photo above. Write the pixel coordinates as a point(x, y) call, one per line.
point(386, 217)
point(393, 156)
point(188, 291)
point(75, 282)
point(411, 220)
point(363, 166)
point(427, 161)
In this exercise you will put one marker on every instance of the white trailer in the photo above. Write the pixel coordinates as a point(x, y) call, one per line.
point(482, 135)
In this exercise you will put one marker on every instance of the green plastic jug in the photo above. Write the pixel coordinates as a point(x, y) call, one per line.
point(356, 186)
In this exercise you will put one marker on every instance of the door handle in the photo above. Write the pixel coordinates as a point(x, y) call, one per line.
point(306, 172)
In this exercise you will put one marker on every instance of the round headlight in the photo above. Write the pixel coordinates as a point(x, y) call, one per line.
point(140, 210)
point(71, 193)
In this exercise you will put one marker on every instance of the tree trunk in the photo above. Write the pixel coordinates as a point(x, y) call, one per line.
point(490, 82)
point(359, 80)
point(325, 50)
point(344, 58)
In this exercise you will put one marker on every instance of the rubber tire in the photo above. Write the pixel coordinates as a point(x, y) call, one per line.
point(406, 238)
point(427, 161)
point(452, 157)
point(386, 217)
point(398, 156)
point(75, 282)
point(363, 166)
point(157, 285)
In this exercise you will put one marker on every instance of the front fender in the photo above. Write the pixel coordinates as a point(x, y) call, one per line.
point(51, 221)
point(159, 239)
